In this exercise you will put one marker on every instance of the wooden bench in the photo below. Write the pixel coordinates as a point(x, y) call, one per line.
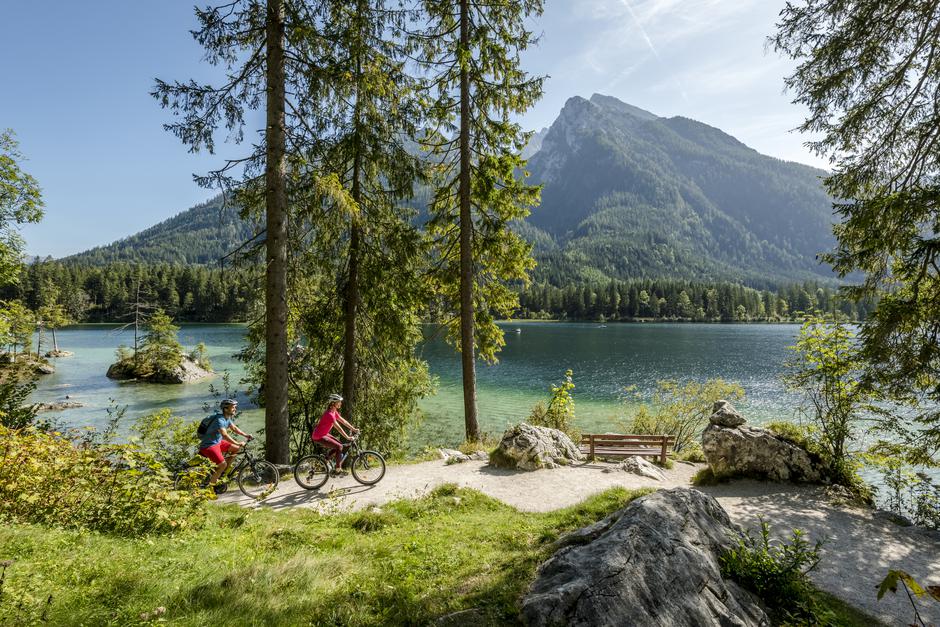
point(619, 445)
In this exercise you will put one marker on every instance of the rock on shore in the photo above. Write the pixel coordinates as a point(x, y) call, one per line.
point(528, 447)
point(654, 562)
point(732, 448)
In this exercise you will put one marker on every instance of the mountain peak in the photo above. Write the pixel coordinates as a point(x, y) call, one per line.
point(609, 102)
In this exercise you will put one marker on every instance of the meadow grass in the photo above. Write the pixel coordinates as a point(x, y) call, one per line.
point(407, 563)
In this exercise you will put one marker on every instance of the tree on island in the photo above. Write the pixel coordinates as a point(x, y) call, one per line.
point(160, 357)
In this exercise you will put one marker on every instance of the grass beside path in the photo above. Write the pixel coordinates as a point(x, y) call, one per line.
point(411, 562)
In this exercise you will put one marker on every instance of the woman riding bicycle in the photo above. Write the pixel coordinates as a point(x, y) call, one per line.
point(329, 419)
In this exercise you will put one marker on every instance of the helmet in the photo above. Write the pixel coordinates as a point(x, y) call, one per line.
point(228, 402)
point(335, 398)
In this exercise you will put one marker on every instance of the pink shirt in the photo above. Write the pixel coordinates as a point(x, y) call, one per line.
point(327, 420)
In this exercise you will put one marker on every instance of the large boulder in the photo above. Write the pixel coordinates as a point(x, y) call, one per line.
point(732, 448)
point(527, 447)
point(654, 562)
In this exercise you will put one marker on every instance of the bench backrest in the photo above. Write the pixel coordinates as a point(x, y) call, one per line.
point(620, 439)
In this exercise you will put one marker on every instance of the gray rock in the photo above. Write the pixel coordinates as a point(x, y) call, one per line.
point(58, 406)
point(639, 466)
point(452, 455)
point(187, 372)
point(59, 354)
point(527, 447)
point(654, 562)
point(480, 455)
point(725, 415)
point(41, 367)
point(753, 452)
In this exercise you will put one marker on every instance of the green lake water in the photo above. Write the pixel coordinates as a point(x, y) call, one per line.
point(604, 359)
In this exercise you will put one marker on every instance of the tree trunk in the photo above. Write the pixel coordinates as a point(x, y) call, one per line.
point(55, 342)
point(352, 283)
point(277, 437)
point(466, 237)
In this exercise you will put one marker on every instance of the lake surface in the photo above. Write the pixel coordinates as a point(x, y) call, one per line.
point(605, 359)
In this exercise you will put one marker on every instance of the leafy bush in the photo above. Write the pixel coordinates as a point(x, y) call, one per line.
point(825, 370)
point(680, 410)
point(14, 412)
point(46, 478)
point(692, 453)
point(560, 411)
point(201, 356)
point(907, 492)
point(776, 572)
point(170, 439)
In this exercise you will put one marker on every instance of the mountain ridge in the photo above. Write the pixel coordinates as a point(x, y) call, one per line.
point(626, 194)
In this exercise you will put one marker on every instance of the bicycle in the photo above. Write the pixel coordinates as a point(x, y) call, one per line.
point(312, 471)
point(256, 478)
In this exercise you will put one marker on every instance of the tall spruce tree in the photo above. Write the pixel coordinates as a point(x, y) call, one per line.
point(376, 111)
point(471, 54)
point(869, 73)
point(265, 51)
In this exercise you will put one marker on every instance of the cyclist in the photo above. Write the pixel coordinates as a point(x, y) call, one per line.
point(215, 443)
point(329, 419)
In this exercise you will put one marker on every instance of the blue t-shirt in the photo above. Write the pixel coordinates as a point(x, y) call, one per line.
point(213, 434)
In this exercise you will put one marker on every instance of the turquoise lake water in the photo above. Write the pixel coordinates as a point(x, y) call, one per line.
point(605, 359)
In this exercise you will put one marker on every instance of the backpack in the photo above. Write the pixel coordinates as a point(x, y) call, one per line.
point(204, 425)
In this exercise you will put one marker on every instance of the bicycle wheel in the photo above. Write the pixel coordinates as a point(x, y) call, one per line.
point(258, 479)
point(368, 468)
point(192, 478)
point(311, 472)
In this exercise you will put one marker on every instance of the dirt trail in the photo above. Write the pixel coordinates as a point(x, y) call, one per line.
point(858, 551)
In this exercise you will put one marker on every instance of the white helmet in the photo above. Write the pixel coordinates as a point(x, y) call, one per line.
point(335, 398)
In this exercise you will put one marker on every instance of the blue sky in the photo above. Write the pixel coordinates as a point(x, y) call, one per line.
point(76, 76)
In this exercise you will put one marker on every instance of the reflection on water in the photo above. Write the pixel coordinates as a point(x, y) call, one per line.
point(604, 361)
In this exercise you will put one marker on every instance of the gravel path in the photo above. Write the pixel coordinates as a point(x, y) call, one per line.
point(858, 551)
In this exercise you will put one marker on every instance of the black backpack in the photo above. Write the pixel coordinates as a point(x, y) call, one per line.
point(204, 425)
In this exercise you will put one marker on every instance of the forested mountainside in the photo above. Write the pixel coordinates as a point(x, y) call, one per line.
point(627, 195)
point(200, 235)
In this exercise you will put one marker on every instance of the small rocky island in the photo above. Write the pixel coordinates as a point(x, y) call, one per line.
point(160, 357)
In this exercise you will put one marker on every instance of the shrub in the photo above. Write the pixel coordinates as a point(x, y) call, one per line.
point(692, 453)
point(776, 572)
point(14, 412)
point(907, 492)
point(560, 411)
point(201, 356)
point(46, 478)
point(825, 370)
point(169, 439)
point(680, 410)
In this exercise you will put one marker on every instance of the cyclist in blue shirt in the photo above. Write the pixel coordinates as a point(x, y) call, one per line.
point(215, 443)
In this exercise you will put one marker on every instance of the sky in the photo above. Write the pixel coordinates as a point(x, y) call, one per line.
point(75, 79)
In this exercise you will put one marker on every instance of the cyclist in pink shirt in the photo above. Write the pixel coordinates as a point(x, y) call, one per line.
point(329, 419)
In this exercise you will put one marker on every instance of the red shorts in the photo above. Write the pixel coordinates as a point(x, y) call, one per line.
point(216, 452)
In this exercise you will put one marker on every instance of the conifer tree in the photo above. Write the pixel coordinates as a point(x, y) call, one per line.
point(870, 77)
point(471, 55)
point(268, 50)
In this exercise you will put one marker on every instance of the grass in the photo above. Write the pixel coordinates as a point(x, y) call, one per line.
point(839, 613)
point(407, 563)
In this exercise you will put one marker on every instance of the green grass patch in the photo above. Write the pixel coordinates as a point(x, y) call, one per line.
point(837, 612)
point(407, 563)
